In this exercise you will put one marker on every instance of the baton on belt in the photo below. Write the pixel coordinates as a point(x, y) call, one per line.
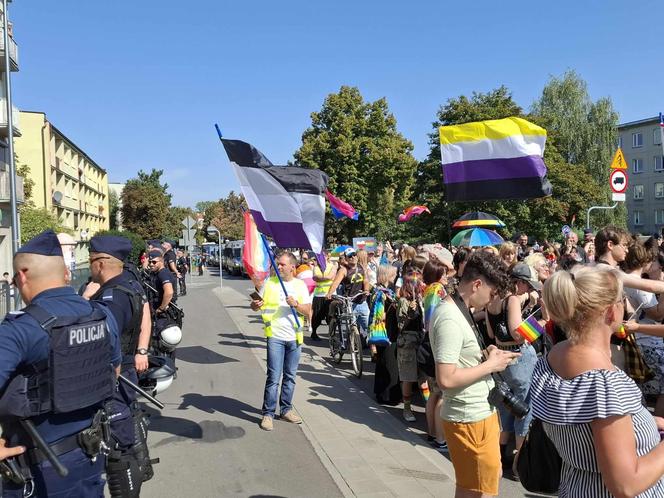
point(142, 392)
point(44, 448)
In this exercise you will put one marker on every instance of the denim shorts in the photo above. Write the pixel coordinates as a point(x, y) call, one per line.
point(518, 376)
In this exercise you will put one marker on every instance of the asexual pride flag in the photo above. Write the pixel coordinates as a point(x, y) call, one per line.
point(493, 160)
point(287, 203)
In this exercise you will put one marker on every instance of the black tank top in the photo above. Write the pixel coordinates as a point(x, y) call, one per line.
point(499, 324)
point(353, 283)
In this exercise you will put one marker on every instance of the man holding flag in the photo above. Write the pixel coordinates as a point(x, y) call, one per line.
point(284, 337)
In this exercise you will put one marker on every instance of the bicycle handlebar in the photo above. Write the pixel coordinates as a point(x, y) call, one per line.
point(349, 298)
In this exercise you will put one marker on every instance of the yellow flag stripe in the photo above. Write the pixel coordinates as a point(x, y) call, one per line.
point(494, 129)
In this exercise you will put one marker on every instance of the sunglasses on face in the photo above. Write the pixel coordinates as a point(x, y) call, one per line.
point(351, 255)
point(153, 261)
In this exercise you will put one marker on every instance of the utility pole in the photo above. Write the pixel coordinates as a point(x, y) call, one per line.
point(16, 238)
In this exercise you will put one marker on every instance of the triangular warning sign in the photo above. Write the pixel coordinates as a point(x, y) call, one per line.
point(619, 160)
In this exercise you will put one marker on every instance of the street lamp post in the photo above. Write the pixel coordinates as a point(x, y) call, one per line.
point(212, 230)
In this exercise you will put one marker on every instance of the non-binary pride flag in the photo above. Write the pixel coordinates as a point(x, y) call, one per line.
point(493, 160)
point(530, 329)
point(254, 254)
point(286, 202)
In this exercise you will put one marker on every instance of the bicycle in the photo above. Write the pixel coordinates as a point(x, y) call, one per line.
point(344, 334)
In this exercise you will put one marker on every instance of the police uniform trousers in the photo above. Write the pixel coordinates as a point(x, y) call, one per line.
point(121, 417)
point(83, 481)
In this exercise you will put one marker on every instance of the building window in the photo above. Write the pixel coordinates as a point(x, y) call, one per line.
point(659, 190)
point(638, 190)
point(620, 141)
point(658, 162)
point(637, 165)
point(638, 218)
point(657, 136)
point(659, 216)
point(637, 139)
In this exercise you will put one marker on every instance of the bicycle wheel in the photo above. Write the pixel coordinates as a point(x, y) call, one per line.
point(356, 351)
point(335, 343)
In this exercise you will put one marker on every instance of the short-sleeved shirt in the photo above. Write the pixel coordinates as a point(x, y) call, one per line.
point(646, 300)
point(160, 278)
point(24, 342)
point(283, 322)
point(453, 341)
point(566, 408)
point(170, 257)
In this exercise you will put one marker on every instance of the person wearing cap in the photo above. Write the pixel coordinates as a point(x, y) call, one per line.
point(183, 268)
point(588, 235)
point(128, 463)
point(504, 315)
point(171, 262)
point(38, 345)
point(164, 283)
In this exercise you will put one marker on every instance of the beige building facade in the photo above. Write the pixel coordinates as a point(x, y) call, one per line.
point(67, 182)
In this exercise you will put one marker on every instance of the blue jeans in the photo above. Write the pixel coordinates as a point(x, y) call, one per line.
point(361, 312)
point(282, 358)
point(518, 377)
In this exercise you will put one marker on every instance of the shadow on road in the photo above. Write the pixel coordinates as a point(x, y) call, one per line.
point(202, 355)
point(221, 404)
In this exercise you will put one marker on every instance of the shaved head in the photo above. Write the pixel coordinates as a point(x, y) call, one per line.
point(41, 268)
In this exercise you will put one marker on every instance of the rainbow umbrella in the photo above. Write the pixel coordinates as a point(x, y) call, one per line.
point(476, 237)
point(478, 219)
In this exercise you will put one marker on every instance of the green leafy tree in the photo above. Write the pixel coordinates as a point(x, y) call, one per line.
point(137, 242)
point(36, 220)
point(23, 170)
point(145, 205)
point(226, 216)
point(586, 132)
point(174, 224)
point(369, 162)
point(113, 209)
point(203, 206)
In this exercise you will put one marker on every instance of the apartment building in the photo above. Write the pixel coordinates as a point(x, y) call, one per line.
point(5, 199)
point(67, 181)
point(641, 143)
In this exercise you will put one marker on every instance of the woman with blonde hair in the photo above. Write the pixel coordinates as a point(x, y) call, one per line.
point(592, 412)
point(507, 252)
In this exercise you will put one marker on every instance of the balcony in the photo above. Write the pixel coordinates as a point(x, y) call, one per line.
point(13, 52)
point(3, 119)
point(5, 190)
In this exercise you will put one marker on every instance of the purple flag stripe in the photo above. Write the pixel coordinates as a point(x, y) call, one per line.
point(285, 234)
point(494, 169)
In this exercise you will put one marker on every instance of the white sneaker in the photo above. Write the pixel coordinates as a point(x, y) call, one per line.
point(408, 415)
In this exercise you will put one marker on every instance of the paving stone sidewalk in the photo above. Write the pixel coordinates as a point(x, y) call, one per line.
point(367, 452)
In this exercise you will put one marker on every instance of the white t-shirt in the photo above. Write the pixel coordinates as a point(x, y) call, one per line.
point(646, 300)
point(283, 322)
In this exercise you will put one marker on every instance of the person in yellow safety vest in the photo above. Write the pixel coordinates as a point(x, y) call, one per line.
point(323, 283)
point(283, 338)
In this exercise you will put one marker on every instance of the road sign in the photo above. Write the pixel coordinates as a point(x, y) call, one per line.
point(189, 237)
point(566, 230)
point(618, 181)
point(617, 197)
point(189, 222)
point(619, 160)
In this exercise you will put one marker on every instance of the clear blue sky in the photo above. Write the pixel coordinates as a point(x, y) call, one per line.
point(139, 84)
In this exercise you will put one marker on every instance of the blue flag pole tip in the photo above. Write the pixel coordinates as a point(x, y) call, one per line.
point(216, 126)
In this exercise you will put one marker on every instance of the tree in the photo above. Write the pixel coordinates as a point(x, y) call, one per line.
point(203, 206)
point(113, 209)
point(36, 220)
point(23, 170)
point(226, 216)
point(174, 224)
point(145, 205)
point(586, 132)
point(369, 162)
point(137, 242)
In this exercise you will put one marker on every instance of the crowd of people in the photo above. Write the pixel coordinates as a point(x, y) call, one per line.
point(447, 323)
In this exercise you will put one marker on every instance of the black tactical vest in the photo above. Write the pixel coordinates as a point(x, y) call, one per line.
point(129, 335)
point(77, 374)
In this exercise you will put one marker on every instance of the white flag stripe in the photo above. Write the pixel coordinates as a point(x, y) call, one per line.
point(312, 208)
point(265, 194)
point(504, 148)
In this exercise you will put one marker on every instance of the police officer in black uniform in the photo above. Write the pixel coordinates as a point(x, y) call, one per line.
point(66, 350)
point(163, 282)
point(183, 268)
point(171, 262)
point(128, 463)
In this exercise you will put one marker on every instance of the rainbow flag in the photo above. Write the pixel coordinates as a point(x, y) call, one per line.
point(341, 208)
point(432, 297)
point(411, 211)
point(493, 160)
point(254, 255)
point(530, 329)
point(377, 330)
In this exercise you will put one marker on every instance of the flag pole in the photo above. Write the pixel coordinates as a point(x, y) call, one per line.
point(276, 271)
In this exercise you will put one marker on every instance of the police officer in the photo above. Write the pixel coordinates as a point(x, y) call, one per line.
point(171, 261)
point(183, 268)
point(164, 283)
point(128, 463)
point(55, 331)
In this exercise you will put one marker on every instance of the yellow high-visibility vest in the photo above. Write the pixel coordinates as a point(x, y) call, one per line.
point(271, 302)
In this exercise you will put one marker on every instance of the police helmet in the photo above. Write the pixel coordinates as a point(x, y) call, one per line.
point(159, 375)
point(170, 337)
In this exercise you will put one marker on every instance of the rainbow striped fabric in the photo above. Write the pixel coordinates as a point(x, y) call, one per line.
point(431, 298)
point(530, 329)
point(254, 255)
point(495, 159)
point(411, 211)
point(377, 332)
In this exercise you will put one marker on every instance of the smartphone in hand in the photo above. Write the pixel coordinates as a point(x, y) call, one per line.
point(255, 296)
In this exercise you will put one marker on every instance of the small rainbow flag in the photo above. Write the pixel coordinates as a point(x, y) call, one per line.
point(254, 255)
point(530, 329)
point(411, 211)
point(432, 297)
